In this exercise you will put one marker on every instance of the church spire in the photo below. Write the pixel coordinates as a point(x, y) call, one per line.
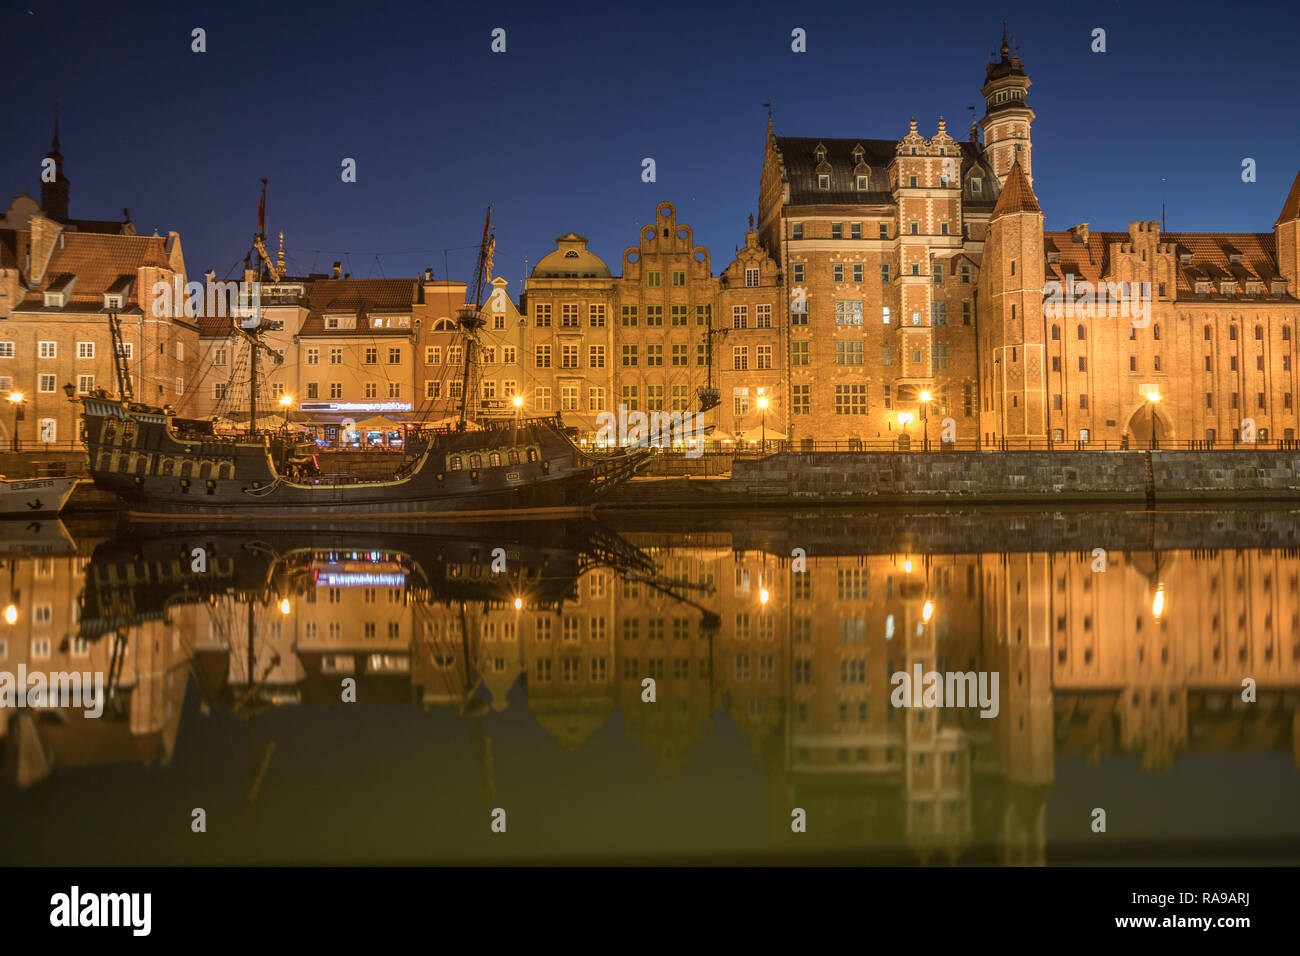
point(54, 185)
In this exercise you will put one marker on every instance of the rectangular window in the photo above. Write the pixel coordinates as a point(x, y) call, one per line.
point(47, 350)
point(542, 396)
point(884, 230)
point(848, 311)
point(372, 356)
point(313, 390)
point(394, 389)
point(884, 272)
point(629, 316)
point(630, 359)
point(336, 356)
point(630, 397)
point(837, 272)
point(394, 356)
point(85, 350)
point(740, 358)
point(654, 398)
point(762, 316)
point(848, 353)
point(796, 272)
point(799, 353)
point(569, 356)
point(764, 357)
point(796, 230)
point(939, 355)
point(850, 399)
point(679, 355)
point(85, 384)
point(884, 355)
point(751, 278)
point(596, 356)
point(654, 315)
point(6, 350)
point(313, 356)
point(800, 399)
point(837, 230)
point(938, 313)
point(739, 316)
point(677, 315)
point(857, 272)
point(432, 389)
point(740, 402)
point(653, 280)
point(569, 315)
point(701, 354)
point(568, 398)
point(967, 311)
point(543, 356)
point(654, 356)
point(938, 273)
point(542, 315)
point(336, 389)
point(595, 399)
point(46, 383)
point(679, 277)
point(681, 398)
point(855, 229)
point(596, 315)
point(704, 315)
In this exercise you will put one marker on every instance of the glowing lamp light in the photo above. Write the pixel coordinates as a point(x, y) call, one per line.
point(763, 596)
point(15, 397)
point(1153, 397)
point(925, 397)
point(927, 612)
point(907, 565)
point(519, 604)
point(285, 606)
point(286, 400)
point(11, 614)
point(1158, 604)
point(762, 402)
point(518, 401)
point(904, 418)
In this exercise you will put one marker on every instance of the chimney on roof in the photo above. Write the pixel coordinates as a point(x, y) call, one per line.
point(210, 276)
point(338, 270)
point(428, 275)
point(1079, 233)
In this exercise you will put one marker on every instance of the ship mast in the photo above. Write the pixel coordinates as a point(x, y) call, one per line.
point(471, 319)
point(252, 332)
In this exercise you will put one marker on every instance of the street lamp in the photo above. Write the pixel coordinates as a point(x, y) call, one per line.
point(1153, 396)
point(286, 402)
point(17, 399)
point(762, 417)
point(925, 417)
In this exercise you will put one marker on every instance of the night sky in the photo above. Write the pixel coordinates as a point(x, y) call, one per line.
point(554, 130)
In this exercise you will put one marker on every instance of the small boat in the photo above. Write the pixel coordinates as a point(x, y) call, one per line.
point(29, 497)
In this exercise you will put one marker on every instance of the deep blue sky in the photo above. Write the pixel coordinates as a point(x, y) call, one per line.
point(554, 130)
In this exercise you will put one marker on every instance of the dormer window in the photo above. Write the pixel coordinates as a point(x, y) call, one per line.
point(976, 186)
point(112, 301)
point(1229, 288)
point(331, 323)
point(824, 181)
point(862, 184)
point(571, 254)
point(913, 151)
point(751, 278)
point(54, 300)
point(820, 153)
point(1235, 258)
point(1053, 258)
point(1185, 259)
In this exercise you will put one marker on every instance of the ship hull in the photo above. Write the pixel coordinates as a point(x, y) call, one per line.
point(518, 468)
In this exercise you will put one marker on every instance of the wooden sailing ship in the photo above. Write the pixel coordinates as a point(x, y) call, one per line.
point(161, 466)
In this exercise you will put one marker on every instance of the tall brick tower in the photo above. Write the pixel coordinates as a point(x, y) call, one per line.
point(1007, 116)
point(1011, 331)
point(1287, 232)
point(54, 195)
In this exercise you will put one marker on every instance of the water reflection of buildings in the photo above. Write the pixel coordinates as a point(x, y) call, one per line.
point(1146, 657)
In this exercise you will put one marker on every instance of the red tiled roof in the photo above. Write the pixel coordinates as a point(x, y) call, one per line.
point(359, 297)
point(98, 261)
point(1211, 260)
point(1017, 195)
point(1291, 208)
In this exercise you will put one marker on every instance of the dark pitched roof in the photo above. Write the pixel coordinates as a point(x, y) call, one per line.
point(1290, 208)
point(798, 156)
point(1017, 195)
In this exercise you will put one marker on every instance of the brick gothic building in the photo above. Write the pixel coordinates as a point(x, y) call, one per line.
point(922, 266)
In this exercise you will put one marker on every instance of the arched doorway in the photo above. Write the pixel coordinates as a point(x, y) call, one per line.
point(1138, 428)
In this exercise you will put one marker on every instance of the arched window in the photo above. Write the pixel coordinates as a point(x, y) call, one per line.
point(454, 464)
point(187, 468)
point(532, 454)
point(494, 460)
point(476, 461)
point(168, 466)
point(1155, 332)
point(227, 470)
point(1056, 332)
point(205, 469)
point(1082, 335)
point(513, 457)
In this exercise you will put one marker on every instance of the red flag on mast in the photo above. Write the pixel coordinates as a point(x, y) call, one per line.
point(261, 212)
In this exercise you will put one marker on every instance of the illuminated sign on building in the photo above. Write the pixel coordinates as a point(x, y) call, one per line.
point(355, 406)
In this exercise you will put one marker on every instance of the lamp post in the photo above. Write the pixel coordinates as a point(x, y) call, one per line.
point(926, 398)
point(16, 398)
point(286, 402)
point(518, 401)
point(1153, 397)
point(762, 418)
